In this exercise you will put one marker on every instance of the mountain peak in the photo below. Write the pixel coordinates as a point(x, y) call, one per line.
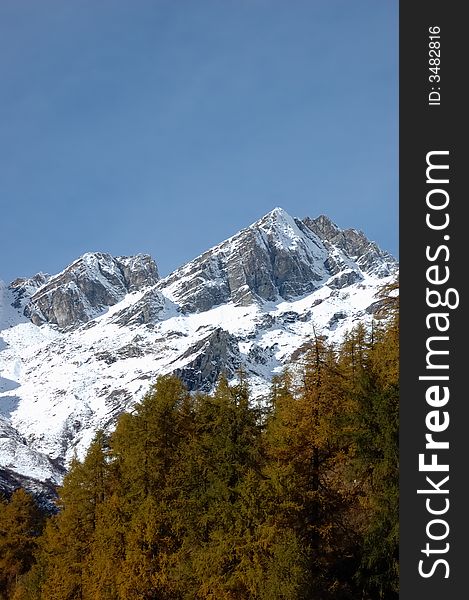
point(280, 228)
point(324, 227)
point(90, 284)
point(277, 216)
point(277, 257)
point(278, 213)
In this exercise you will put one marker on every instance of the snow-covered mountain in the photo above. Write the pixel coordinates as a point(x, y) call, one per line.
point(80, 347)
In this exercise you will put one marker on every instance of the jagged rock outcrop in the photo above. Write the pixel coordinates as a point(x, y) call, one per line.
point(24, 287)
point(139, 271)
point(150, 308)
point(215, 355)
point(354, 245)
point(87, 287)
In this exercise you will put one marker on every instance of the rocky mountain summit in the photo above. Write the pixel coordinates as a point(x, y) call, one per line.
point(278, 257)
point(80, 347)
point(84, 289)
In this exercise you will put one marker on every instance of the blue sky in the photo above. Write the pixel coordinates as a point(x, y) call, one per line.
point(165, 126)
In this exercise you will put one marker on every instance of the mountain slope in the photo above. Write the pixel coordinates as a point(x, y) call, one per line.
point(80, 347)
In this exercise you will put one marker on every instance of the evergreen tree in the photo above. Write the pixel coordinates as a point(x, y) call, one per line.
point(68, 535)
point(222, 450)
point(381, 454)
point(146, 451)
point(107, 550)
point(307, 470)
point(373, 428)
point(20, 526)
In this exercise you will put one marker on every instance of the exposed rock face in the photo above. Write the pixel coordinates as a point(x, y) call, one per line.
point(148, 309)
point(139, 271)
point(44, 492)
point(24, 288)
point(354, 245)
point(277, 257)
point(215, 355)
point(87, 287)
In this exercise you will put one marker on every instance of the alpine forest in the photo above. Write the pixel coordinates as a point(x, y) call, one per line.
point(198, 496)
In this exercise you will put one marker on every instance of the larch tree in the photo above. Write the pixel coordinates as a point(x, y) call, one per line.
point(20, 525)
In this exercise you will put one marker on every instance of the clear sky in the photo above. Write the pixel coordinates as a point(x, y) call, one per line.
point(165, 126)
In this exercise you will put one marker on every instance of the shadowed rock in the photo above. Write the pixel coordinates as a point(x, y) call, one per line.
point(215, 355)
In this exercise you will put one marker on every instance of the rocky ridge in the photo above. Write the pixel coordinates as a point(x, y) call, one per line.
point(84, 289)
